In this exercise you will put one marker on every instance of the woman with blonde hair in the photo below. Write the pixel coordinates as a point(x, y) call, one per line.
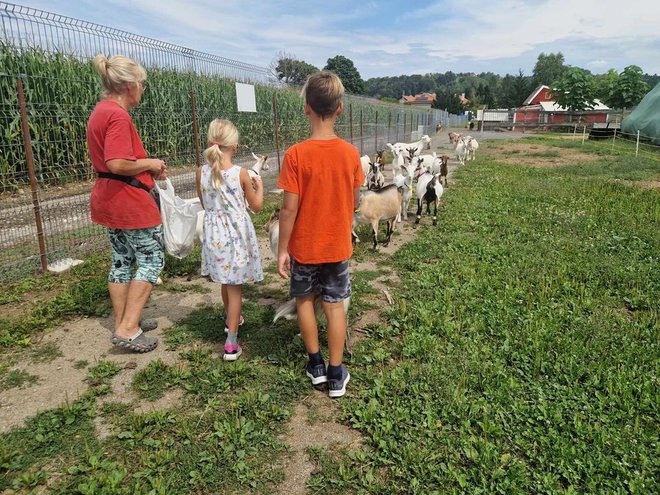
point(230, 251)
point(121, 199)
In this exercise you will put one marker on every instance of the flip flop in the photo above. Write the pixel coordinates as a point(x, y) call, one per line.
point(137, 343)
point(148, 324)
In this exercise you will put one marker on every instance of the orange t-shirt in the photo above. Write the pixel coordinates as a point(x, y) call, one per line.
point(324, 174)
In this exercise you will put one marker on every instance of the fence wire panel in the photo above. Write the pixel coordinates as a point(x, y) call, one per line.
point(52, 56)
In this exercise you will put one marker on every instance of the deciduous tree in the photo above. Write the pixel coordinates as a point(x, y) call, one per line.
point(347, 72)
point(575, 90)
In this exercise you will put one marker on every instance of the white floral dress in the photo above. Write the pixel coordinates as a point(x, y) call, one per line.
point(230, 252)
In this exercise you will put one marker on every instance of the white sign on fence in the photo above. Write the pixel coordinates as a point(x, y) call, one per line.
point(245, 98)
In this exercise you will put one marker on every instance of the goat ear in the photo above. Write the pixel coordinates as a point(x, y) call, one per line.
point(255, 156)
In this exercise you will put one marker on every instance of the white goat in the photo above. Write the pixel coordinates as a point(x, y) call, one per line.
point(365, 161)
point(429, 189)
point(260, 164)
point(428, 162)
point(404, 180)
point(379, 205)
point(461, 151)
point(472, 147)
point(398, 158)
point(420, 144)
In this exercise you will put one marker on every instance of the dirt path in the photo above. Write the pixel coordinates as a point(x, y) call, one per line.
point(84, 342)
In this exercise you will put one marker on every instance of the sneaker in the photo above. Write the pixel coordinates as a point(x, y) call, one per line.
point(316, 373)
point(241, 320)
point(337, 388)
point(232, 352)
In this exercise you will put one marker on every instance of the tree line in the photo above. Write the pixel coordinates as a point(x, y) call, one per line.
point(573, 87)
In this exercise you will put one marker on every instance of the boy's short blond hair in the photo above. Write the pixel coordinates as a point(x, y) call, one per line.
point(323, 92)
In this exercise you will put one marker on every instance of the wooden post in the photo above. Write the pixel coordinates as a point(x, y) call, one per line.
point(483, 116)
point(361, 134)
point(398, 116)
point(637, 145)
point(389, 126)
point(27, 143)
point(376, 133)
point(584, 133)
point(198, 153)
point(350, 116)
point(277, 130)
point(613, 140)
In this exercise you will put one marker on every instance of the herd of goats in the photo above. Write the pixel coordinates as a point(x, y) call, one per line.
point(410, 170)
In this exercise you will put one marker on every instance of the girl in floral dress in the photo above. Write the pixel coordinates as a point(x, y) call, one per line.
point(230, 253)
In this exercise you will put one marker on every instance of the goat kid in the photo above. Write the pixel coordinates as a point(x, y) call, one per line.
point(472, 147)
point(429, 190)
point(384, 204)
point(461, 151)
point(454, 137)
point(375, 179)
point(404, 181)
point(444, 168)
point(397, 160)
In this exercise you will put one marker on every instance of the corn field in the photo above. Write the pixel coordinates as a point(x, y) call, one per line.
point(61, 88)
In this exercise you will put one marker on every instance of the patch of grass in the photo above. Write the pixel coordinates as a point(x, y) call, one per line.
point(83, 291)
point(153, 381)
point(17, 379)
point(544, 154)
point(45, 353)
point(81, 364)
point(196, 288)
point(99, 376)
point(525, 337)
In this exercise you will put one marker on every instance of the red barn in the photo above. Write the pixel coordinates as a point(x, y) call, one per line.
point(540, 108)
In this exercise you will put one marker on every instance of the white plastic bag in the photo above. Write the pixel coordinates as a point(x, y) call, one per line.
point(179, 219)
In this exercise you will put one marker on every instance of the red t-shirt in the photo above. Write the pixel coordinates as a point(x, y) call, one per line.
point(112, 135)
point(324, 174)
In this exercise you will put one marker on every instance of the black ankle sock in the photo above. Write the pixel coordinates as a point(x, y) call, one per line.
point(315, 359)
point(334, 372)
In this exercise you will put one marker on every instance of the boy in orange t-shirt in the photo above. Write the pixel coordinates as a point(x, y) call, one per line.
point(321, 179)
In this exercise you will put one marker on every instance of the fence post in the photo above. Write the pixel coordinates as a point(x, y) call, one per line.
point(584, 133)
point(613, 140)
point(198, 153)
point(404, 128)
point(376, 133)
point(277, 130)
point(637, 145)
point(398, 116)
point(27, 143)
point(389, 126)
point(361, 134)
point(483, 117)
point(350, 116)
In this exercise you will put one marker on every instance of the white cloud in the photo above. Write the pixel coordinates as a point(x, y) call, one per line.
point(389, 38)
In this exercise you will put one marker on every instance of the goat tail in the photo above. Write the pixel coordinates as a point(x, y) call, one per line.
point(287, 311)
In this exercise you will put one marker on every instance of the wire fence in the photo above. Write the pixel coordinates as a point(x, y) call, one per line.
point(44, 202)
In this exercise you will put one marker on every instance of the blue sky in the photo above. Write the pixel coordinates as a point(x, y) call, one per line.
point(395, 37)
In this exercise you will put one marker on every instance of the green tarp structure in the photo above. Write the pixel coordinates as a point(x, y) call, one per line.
point(645, 118)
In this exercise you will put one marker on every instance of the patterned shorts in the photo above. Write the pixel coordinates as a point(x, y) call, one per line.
point(142, 246)
point(333, 280)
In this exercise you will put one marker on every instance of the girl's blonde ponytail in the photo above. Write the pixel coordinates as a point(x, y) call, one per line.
point(222, 134)
point(213, 156)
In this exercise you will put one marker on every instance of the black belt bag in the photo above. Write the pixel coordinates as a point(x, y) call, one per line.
point(132, 181)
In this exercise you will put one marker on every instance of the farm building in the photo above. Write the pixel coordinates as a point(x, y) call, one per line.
point(540, 107)
point(424, 100)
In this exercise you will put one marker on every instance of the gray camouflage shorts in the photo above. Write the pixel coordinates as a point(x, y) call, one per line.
point(333, 280)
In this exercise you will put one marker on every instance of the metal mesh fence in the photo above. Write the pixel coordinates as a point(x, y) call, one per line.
point(51, 55)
